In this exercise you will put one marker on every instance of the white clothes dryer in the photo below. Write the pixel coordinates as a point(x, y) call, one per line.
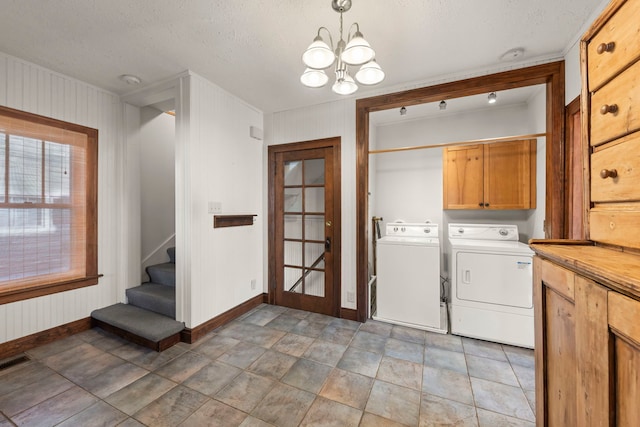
point(491, 284)
point(408, 277)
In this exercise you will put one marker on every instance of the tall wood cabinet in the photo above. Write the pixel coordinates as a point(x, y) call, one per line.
point(587, 294)
point(499, 175)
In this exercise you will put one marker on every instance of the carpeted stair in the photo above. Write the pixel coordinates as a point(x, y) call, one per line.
point(149, 318)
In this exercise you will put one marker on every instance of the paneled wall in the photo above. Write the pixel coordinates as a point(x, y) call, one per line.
point(218, 162)
point(31, 88)
point(316, 122)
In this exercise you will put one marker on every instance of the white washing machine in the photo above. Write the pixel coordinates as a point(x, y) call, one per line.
point(491, 284)
point(408, 277)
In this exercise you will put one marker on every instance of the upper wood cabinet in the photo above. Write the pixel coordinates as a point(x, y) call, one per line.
point(499, 175)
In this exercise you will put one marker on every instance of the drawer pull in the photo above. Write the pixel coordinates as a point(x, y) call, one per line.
point(605, 47)
point(608, 173)
point(613, 108)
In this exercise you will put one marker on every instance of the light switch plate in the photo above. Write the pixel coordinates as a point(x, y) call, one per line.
point(215, 207)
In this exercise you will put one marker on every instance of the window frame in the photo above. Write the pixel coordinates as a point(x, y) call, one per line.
point(12, 293)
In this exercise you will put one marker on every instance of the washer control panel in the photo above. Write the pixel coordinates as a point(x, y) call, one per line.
point(411, 229)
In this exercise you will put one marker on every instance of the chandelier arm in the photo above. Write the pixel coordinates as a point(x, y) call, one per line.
point(329, 34)
point(350, 34)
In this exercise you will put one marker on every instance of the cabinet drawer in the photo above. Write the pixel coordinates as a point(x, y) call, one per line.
point(622, 31)
point(622, 94)
point(622, 160)
point(615, 227)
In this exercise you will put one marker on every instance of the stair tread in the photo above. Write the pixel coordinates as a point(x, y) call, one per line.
point(155, 297)
point(164, 273)
point(138, 321)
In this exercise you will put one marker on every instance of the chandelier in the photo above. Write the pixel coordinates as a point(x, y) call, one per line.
point(355, 52)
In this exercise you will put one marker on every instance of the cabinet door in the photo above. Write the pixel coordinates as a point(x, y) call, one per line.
point(624, 327)
point(555, 344)
point(509, 175)
point(463, 171)
point(592, 348)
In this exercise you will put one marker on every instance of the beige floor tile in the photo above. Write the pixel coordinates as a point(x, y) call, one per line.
point(397, 403)
point(501, 398)
point(56, 409)
point(492, 419)
point(293, 345)
point(246, 391)
point(33, 394)
point(448, 384)
point(212, 378)
point(171, 408)
point(140, 393)
point(436, 411)
point(284, 406)
point(272, 364)
point(325, 352)
point(215, 414)
point(372, 420)
point(327, 413)
point(401, 372)
point(307, 375)
point(348, 388)
point(182, 367)
point(98, 414)
point(492, 370)
point(360, 361)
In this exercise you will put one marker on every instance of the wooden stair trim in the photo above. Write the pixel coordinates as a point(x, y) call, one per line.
point(145, 342)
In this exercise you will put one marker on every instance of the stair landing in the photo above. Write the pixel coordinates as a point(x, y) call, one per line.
point(138, 325)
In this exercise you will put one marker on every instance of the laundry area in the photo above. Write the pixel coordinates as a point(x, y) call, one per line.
point(456, 190)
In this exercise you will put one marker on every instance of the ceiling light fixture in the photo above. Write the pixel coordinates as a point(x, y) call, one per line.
point(403, 111)
point(442, 105)
point(492, 98)
point(130, 79)
point(355, 52)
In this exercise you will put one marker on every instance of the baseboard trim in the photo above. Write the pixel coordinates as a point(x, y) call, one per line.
point(190, 336)
point(20, 345)
point(348, 313)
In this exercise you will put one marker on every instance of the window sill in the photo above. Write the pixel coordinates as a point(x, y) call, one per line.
point(34, 291)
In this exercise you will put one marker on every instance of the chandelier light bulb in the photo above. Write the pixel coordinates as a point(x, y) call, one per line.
point(358, 51)
point(314, 78)
point(345, 86)
point(370, 73)
point(318, 55)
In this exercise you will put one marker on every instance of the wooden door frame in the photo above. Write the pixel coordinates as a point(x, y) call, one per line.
point(551, 74)
point(334, 143)
point(572, 109)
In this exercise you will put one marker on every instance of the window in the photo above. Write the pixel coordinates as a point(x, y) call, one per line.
point(48, 205)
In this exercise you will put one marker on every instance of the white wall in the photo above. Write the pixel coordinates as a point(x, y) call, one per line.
point(217, 161)
point(157, 183)
point(31, 88)
point(324, 121)
point(537, 115)
point(572, 80)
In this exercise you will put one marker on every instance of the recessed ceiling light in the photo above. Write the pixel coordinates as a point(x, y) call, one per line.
point(512, 55)
point(130, 79)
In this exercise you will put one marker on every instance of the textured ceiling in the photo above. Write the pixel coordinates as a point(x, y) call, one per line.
point(253, 48)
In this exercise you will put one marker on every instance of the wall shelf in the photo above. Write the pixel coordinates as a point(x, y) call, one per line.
point(232, 220)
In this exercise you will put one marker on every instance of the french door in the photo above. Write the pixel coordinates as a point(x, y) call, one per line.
point(304, 226)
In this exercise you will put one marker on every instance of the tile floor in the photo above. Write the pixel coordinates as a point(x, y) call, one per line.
point(274, 366)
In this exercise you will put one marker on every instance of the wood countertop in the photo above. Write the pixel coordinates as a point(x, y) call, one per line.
point(611, 267)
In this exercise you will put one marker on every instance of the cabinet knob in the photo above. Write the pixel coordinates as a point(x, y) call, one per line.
point(605, 47)
point(608, 173)
point(613, 108)
point(480, 204)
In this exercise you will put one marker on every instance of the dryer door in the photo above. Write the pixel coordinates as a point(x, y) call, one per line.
point(501, 279)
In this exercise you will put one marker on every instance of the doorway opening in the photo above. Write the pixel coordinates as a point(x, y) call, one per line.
point(551, 75)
